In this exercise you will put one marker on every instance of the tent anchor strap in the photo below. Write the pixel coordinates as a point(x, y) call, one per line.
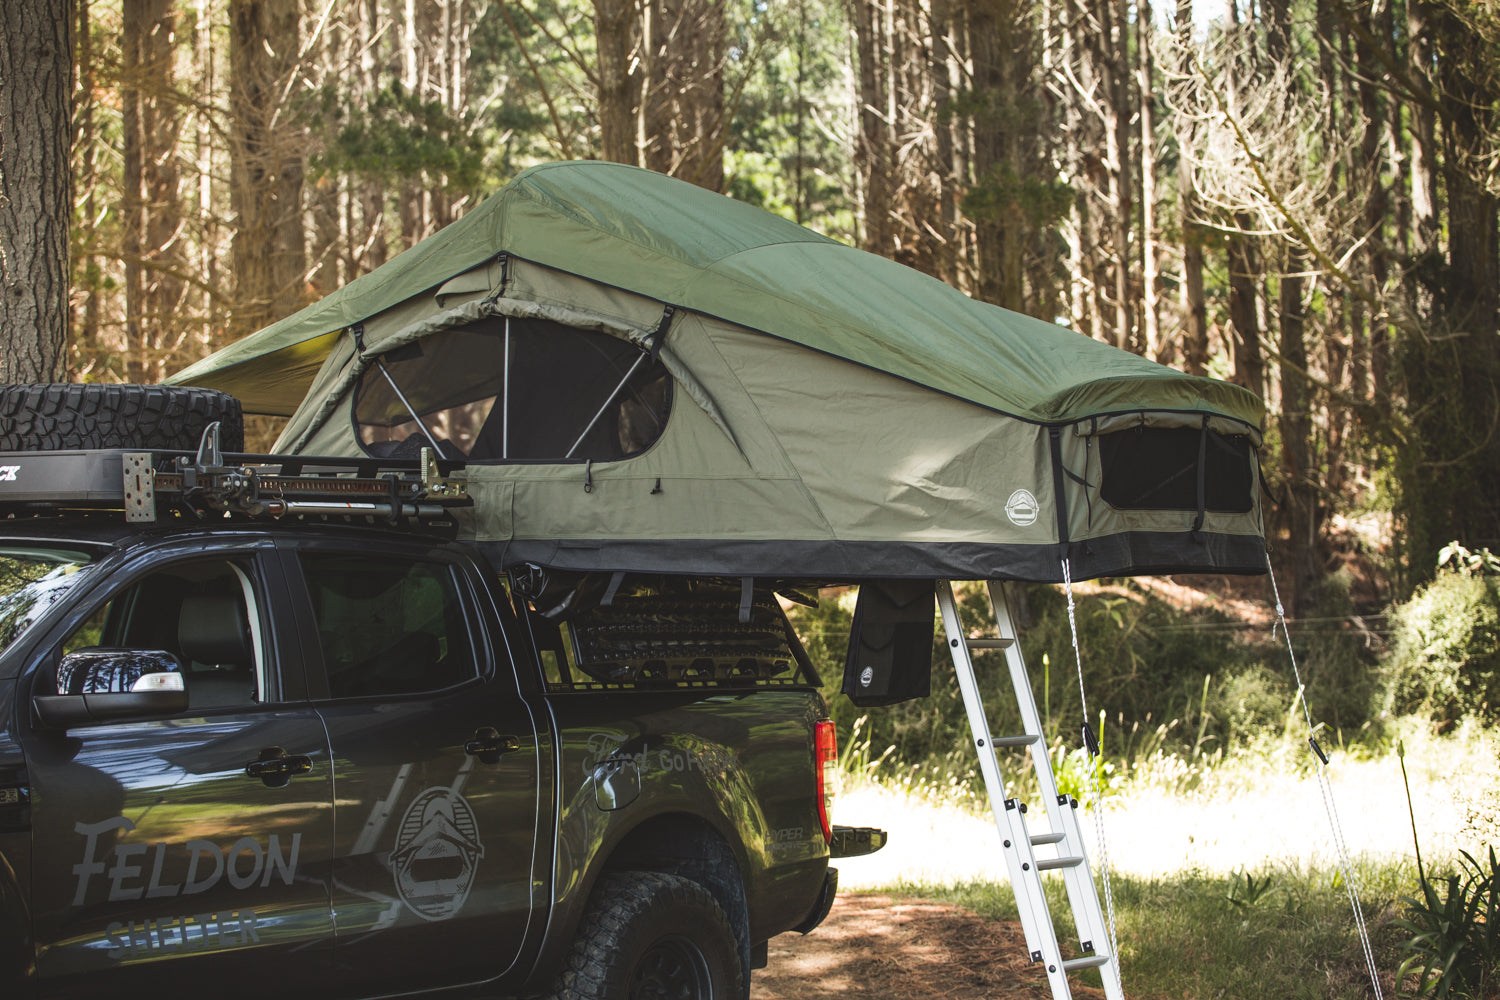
point(1062, 840)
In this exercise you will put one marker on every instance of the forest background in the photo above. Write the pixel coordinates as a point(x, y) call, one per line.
point(1300, 196)
point(1296, 195)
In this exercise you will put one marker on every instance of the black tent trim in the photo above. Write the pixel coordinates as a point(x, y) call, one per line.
point(1129, 553)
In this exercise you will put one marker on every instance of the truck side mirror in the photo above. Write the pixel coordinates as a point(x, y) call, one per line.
point(99, 685)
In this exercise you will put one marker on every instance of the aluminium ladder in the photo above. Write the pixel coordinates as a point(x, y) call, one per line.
point(1063, 838)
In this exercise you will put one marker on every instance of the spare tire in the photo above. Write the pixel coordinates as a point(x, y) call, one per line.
point(55, 417)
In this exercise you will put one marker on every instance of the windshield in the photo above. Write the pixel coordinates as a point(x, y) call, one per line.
point(31, 579)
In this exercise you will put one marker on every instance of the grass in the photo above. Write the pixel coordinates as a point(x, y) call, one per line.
point(1276, 923)
point(1284, 932)
point(1226, 880)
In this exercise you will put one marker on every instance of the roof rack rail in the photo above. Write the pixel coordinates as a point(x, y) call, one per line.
point(141, 483)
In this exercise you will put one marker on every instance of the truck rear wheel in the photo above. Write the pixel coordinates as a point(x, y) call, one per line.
point(652, 936)
point(62, 416)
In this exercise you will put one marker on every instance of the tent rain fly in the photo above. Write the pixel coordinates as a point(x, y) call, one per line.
point(644, 376)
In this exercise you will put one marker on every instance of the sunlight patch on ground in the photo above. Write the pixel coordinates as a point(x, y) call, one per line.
point(1250, 823)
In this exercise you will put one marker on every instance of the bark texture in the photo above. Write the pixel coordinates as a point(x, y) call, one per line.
point(36, 191)
point(269, 258)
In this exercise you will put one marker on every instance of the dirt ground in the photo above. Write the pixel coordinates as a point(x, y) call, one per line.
point(874, 947)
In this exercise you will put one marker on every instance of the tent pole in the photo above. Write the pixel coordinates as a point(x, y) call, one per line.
point(437, 449)
point(607, 404)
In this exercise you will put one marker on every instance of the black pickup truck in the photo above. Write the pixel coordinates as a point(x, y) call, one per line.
point(263, 734)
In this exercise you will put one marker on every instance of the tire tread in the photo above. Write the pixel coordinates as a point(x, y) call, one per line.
point(622, 901)
point(64, 416)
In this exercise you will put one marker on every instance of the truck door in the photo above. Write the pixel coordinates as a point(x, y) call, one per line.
point(159, 862)
point(435, 768)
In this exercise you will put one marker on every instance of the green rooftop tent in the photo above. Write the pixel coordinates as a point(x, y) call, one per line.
point(648, 377)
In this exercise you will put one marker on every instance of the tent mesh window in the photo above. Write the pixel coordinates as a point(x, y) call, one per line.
point(1156, 468)
point(515, 391)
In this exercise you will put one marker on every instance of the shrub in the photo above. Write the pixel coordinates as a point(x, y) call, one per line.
point(1445, 657)
point(1455, 928)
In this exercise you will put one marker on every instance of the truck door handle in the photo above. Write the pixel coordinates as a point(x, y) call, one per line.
point(275, 766)
point(488, 745)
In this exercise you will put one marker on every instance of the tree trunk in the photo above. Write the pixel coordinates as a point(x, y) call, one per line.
point(1244, 276)
point(998, 54)
point(36, 66)
point(684, 115)
point(367, 235)
point(1450, 473)
point(269, 257)
point(1244, 261)
point(85, 138)
point(206, 145)
point(617, 34)
point(872, 150)
point(1377, 206)
point(947, 160)
point(1423, 129)
point(151, 209)
point(1304, 516)
point(1194, 305)
point(1121, 108)
point(1150, 332)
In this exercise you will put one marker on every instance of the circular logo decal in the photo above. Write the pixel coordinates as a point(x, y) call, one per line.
point(437, 854)
point(867, 677)
point(1021, 508)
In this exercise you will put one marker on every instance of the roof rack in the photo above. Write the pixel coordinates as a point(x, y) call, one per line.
point(144, 483)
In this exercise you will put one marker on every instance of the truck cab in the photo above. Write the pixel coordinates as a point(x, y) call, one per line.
point(240, 747)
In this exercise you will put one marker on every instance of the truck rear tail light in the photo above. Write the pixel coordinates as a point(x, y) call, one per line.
point(826, 757)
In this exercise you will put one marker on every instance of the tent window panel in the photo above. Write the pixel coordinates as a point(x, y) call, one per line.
point(539, 391)
point(1156, 468)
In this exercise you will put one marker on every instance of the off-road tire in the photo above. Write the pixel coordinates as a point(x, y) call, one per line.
point(58, 416)
point(652, 936)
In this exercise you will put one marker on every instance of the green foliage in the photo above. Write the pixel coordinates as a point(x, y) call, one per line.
point(1071, 770)
point(1040, 202)
point(396, 135)
point(1246, 890)
point(1162, 684)
point(1455, 928)
point(1455, 557)
point(1445, 656)
point(824, 632)
point(788, 71)
point(1445, 469)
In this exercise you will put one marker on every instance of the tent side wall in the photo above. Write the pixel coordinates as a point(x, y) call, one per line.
point(780, 460)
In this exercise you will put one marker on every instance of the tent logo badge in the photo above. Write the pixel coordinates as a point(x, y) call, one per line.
point(437, 854)
point(1021, 508)
point(867, 677)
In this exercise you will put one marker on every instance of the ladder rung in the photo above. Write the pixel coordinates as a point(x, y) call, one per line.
point(1052, 864)
point(990, 643)
point(1087, 962)
point(1023, 740)
point(1047, 838)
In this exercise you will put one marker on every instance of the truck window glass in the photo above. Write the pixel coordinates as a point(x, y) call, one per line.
point(31, 579)
point(387, 625)
point(201, 611)
point(522, 390)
